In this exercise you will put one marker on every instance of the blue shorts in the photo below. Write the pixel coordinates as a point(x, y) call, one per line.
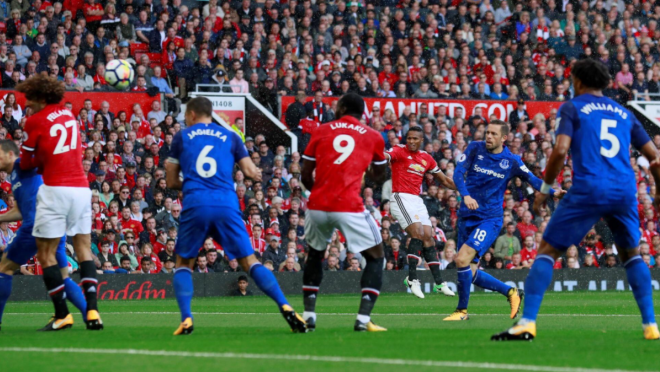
point(478, 233)
point(23, 246)
point(571, 222)
point(223, 224)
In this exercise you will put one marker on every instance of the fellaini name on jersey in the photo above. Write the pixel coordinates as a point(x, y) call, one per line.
point(588, 108)
point(207, 132)
point(488, 172)
point(359, 128)
point(56, 114)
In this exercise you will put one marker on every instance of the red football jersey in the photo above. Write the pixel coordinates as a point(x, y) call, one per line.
point(408, 169)
point(53, 145)
point(343, 150)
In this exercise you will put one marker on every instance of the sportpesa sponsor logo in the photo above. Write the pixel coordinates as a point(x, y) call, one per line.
point(488, 172)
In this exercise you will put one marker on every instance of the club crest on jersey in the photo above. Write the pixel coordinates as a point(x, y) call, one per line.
point(504, 164)
point(424, 162)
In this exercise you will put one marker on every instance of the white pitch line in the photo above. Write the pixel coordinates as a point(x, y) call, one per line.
point(311, 358)
point(331, 314)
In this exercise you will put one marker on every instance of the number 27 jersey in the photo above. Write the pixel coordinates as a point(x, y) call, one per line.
point(343, 150)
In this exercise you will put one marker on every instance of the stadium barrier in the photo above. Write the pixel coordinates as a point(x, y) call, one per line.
point(159, 286)
point(119, 101)
point(501, 109)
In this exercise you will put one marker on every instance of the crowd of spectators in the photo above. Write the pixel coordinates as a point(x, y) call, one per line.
point(472, 49)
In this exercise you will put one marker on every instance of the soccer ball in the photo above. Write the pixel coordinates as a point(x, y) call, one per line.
point(119, 74)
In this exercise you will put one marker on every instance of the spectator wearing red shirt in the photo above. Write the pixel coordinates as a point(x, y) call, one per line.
point(526, 227)
point(258, 244)
point(528, 253)
point(147, 251)
point(93, 12)
point(128, 224)
point(516, 262)
point(4, 184)
point(147, 266)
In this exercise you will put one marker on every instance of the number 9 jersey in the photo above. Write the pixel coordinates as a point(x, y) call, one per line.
point(206, 154)
point(343, 150)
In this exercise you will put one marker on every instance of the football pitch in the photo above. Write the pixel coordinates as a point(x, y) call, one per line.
point(578, 332)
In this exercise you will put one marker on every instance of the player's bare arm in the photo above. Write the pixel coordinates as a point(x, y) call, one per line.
point(249, 169)
point(444, 180)
point(172, 175)
point(13, 215)
point(652, 154)
point(377, 172)
point(553, 168)
point(307, 173)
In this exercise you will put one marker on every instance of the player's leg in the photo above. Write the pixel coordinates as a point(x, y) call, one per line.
point(193, 230)
point(556, 240)
point(49, 227)
point(464, 277)
point(431, 256)
point(484, 235)
point(318, 231)
point(52, 276)
point(72, 290)
point(7, 269)
point(626, 234)
point(400, 211)
point(362, 235)
point(78, 227)
point(228, 229)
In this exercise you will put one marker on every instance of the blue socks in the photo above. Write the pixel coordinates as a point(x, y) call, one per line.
point(183, 289)
point(266, 281)
point(5, 291)
point(464, 282)
point(75, 295)
point(487, 281)
point(639, 278)
point(537, 282)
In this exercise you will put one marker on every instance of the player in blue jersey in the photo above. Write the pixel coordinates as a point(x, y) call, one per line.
point(599, 133)
point(23, 246)
point(482, 174)
point(205, 153)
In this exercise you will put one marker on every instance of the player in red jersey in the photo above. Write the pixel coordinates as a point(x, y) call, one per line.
point(409, 165)
point(64, 200)
point(341, 151)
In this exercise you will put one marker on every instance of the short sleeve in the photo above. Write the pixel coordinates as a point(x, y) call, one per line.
point(379, 150)
point(567, 119)
point(310, 150)
point(238, 148)
point(177, 148)
point(394, 153)
point(638, 136)
point(32, 134)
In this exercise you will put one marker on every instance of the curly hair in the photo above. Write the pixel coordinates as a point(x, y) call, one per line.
point(40, 88)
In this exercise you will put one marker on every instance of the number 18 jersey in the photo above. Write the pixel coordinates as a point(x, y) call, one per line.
point(206, 154)
point(343, 150)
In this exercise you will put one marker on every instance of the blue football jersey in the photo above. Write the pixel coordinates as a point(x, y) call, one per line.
point(602, 132)
point(24, 186)
point(484, 176)
point(207, 154)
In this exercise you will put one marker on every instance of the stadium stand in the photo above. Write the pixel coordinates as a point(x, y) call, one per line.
point(520, 52)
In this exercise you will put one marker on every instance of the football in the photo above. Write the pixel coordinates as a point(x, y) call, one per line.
point(119, 74)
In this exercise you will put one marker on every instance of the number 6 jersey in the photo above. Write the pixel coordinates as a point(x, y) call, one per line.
point(52, 143)
point(343, 150)
point(206, 154)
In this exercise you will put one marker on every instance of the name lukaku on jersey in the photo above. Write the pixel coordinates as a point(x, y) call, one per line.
point(488, 172)
point(359, 128)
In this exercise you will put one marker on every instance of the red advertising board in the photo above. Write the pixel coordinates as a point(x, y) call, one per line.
point(501, 109)
point(119, 101)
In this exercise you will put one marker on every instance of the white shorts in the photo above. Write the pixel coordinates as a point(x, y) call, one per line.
point(360, 229)
point(62, 210)
point(408, 209)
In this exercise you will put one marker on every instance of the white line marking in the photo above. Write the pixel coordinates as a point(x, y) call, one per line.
point(310, 358)
point(331, 314)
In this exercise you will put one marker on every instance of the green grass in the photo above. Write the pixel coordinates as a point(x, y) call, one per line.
point(605, 341)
